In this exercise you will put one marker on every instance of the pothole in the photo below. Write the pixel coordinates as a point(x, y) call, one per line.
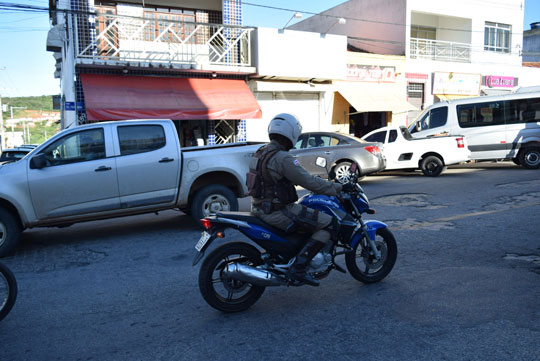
point(419, 200)
point(515, 201)
point(414, 224)
point(535, 182)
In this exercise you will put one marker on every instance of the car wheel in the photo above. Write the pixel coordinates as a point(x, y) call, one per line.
point(342, 172)
point(431, 166)
point(530, 158)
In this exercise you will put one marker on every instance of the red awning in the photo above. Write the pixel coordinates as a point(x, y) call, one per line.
point(117, 97)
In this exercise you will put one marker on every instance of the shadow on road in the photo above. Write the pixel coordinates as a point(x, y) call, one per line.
point(88, 232)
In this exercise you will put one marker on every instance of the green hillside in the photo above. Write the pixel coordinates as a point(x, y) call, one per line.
point(31, 107)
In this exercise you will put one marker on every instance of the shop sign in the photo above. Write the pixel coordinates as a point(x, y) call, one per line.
point(371, 73)
point(456, 83)
point(498, 81)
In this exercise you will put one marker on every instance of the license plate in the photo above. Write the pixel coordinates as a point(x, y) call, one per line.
point(204, 238)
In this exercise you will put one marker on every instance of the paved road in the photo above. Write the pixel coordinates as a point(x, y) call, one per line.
point(466, 285)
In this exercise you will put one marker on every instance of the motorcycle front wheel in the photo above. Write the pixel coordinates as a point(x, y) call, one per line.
point(227, 294)
point(366, 268)
point(8, 290)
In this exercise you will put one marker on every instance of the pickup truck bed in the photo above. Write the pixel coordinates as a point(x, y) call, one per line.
point(431, 155)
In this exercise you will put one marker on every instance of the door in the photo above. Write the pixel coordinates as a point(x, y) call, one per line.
point(484, 127)
point(148, 164)
point(79, 177)
point(316, 153)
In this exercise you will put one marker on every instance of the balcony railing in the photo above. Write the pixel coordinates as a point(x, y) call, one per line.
point(440, 50)
point(109, 38)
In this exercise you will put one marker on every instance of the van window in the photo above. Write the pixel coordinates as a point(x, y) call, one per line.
point(433, 119)
point(522, 110)
point(480, 114)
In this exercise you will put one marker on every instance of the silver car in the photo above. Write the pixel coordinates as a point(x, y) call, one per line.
point(321, 152)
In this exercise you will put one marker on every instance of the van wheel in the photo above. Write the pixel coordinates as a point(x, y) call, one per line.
point(212, 199)
point(530, 158)
point(10, 232)
point(432, 166)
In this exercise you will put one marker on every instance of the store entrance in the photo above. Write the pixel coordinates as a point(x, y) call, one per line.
point(362, 123)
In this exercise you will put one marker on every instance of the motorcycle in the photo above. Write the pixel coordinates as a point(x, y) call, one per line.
point(234, 275)
point(8, 291)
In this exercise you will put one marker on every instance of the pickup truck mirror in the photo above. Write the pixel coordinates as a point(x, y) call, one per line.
point(39, 161)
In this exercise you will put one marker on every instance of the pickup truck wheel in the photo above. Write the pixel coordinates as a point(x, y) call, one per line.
point(212, 199)
point(9, 233)
point(530, 158)
point(431, 166)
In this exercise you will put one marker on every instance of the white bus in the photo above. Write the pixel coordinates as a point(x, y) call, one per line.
point(495, 127)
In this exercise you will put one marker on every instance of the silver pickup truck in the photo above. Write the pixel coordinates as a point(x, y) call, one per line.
point(114, 169)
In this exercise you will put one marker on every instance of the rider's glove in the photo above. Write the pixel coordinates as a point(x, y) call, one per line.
point(348, 187)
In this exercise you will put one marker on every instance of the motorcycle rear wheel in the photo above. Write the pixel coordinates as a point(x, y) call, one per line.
point(8, 291)
point(364, 267)
point(229, 295)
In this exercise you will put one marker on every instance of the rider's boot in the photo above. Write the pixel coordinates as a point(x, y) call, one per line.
point(298, 269)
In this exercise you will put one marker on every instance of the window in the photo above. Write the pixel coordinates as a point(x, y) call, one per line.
point(318, 140)
point(76, 147)
point(480, 114)
point(497, 37)
point(433, 119)
point(522, 110)
point(393, 136)
point(423, 32)
point(377, 137)
point(300, 141)
point(140, 138)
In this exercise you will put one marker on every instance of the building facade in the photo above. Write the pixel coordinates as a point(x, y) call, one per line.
point(187, 61)
point(454, 49)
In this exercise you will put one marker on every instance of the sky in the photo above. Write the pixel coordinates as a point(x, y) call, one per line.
point(27, 69)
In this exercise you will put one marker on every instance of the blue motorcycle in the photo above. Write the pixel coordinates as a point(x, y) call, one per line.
point(234, 275)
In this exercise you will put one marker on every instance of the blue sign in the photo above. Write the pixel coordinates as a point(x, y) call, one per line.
point(69, 105)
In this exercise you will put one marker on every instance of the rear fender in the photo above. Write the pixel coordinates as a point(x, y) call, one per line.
point(372, 227)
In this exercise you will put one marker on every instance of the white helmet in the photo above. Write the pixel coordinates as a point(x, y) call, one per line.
point(287, 125)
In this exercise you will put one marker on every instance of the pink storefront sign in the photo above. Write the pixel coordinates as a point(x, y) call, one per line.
point(496, 81)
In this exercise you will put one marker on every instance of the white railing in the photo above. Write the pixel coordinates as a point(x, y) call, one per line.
point(440, 50)
point(125, 39)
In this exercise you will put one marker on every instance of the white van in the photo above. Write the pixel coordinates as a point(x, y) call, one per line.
point(495, 127)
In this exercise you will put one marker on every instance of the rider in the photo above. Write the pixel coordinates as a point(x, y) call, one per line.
point(274, 172)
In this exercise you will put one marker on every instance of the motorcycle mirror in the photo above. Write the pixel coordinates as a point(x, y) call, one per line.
point(354, 167)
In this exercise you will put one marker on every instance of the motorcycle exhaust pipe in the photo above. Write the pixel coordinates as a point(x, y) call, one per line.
point(252, 275)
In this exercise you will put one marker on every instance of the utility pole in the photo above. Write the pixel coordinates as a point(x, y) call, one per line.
point(2, 134)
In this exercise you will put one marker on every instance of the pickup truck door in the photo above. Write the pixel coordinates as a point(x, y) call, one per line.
point(79, 176)
point(397, 156)
point(148, 164)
